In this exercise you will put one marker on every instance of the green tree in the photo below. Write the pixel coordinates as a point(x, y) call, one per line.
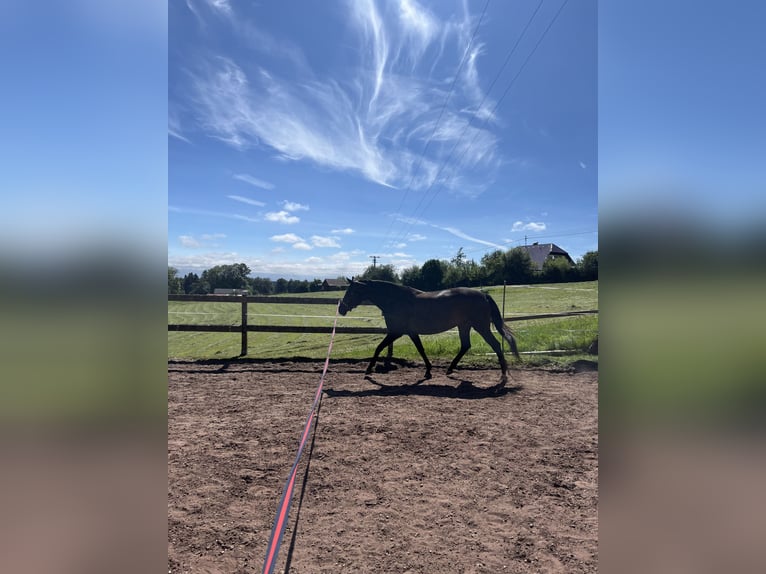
point(557, 270)
point(381, 273)
point(190, 281)
point(518, 268)
point(280, 286)
point(493, 267)
point(455, 272)
point(588, 266)
point(232, 276)
point(432, 275)
point(411, 276)
point(261, 285)
point(175, 286)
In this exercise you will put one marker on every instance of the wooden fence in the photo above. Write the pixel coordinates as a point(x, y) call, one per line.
point(244, 327)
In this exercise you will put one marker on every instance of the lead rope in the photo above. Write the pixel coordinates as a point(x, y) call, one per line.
point(283, 510)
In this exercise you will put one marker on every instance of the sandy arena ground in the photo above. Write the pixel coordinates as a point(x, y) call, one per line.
point(444, 475)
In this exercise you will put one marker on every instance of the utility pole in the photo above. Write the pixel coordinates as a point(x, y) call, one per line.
point(374, 259)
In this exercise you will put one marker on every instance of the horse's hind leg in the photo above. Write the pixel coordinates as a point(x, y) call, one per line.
point(389, 356)
point(465, 344)
point(419, 346)
point(492, 342)
point(387, 340)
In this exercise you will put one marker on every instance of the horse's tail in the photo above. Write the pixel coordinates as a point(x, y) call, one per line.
point(502, 328)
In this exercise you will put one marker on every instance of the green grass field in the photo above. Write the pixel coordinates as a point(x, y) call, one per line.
point(569, 333)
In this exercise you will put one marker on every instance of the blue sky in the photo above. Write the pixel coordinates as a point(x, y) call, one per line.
point(304, 137)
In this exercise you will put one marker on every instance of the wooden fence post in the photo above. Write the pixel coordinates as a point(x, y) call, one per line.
point(243, 350)
point(502, 315)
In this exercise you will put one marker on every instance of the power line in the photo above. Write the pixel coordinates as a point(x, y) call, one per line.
point(505, 92)
point(470, 122)
point(441, 113)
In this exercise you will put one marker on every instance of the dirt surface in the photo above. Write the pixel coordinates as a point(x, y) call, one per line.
point(444, 475)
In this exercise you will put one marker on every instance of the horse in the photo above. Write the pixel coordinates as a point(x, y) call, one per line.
point(412, 312)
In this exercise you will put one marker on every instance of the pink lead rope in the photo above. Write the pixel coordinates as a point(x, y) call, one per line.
point(283, 510)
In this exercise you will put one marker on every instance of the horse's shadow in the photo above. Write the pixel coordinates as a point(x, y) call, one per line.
point(464, 390)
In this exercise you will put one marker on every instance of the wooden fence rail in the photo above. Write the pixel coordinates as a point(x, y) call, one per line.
point(244, 327)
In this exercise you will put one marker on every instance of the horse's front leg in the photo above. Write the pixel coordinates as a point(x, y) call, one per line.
point(387, 340)
point(419, 346)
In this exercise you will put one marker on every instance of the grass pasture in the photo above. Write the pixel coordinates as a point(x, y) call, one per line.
point(567, 333)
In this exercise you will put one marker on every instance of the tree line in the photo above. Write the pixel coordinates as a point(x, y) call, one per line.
point(513, 267)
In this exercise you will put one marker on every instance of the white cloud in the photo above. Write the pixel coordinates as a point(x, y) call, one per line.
point(246, 200)
point(253, 181)
point(286, 238)
point(189, 241)
point(208, 213)
point(346, 231)
point(293, 206)
point(281, 217)
point(458, 233)
point(374, 125)
point(220, 5)
point(296, 241)
point(320, 241)
point(530, 226)
point(416, 237)
point(205, 240)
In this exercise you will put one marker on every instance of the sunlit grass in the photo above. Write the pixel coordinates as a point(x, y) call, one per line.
point(573, 334)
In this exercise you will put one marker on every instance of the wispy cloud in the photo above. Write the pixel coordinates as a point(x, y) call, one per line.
point(253, 181)
point(286, 238)
point(375, 123)
point(293, 206)
point(529, 226)
point(246, 200)
point(282, 217)
point(189, 242)
point(345, 231)
point(320, 241)
point(458, 233)
point(206, 240)
point(210, 213)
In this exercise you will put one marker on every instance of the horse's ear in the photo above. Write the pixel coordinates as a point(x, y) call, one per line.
point(350, 280)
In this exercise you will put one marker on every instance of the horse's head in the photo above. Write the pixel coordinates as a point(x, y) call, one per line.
point(355, 294)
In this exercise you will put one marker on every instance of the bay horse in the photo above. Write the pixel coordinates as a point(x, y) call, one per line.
point(409, 311)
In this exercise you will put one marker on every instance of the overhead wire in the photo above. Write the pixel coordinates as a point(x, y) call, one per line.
point(417, 211)
point(438, 120)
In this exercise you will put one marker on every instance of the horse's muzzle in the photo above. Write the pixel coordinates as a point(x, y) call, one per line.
point(342, 308)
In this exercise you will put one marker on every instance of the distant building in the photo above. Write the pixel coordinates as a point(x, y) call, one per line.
point(539, 253)
point(334, 284)
point(221, 291)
